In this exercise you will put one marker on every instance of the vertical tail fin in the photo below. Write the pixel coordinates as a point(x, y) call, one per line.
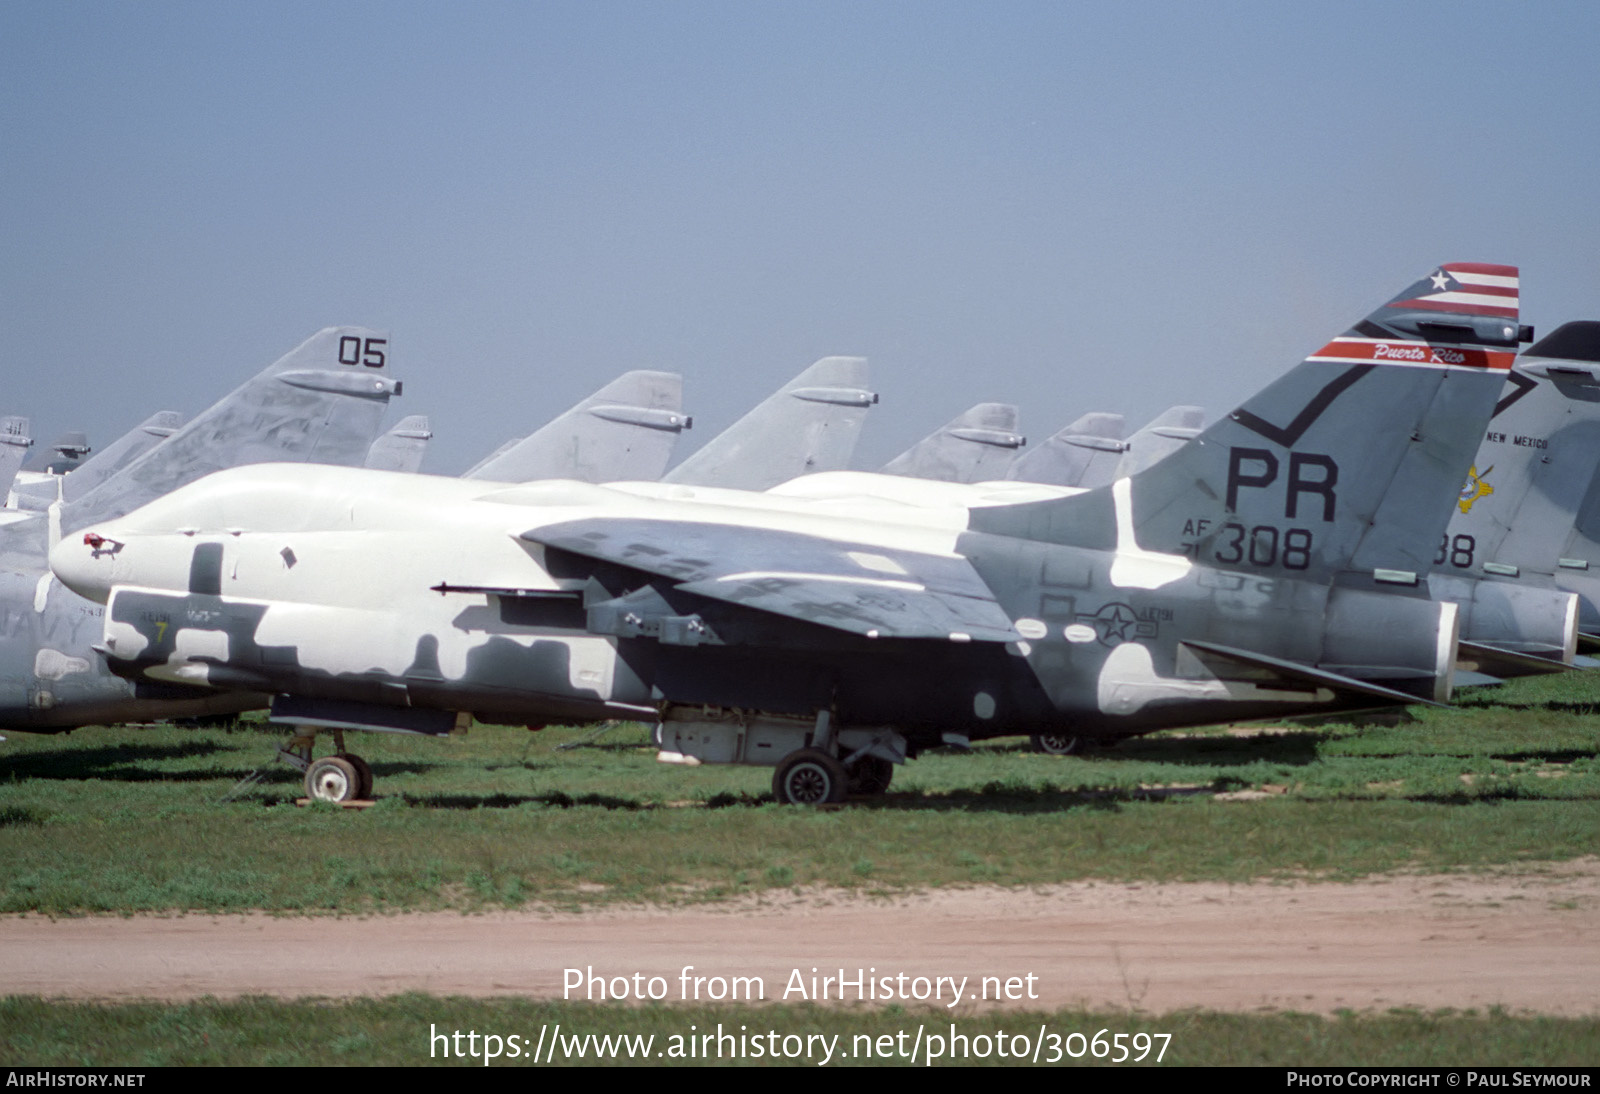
point(120, 453)
point(402, 448)
point(15, 440)
point(626, 430)
point(810, 424)
point(69, 450)
point(1524, 492)
point(1350, 463)
point(322, 402)
point(1169, 431)
point(975, 446)
point(1084, 454)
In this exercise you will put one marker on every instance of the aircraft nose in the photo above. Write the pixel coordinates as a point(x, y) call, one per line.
point(83, 562)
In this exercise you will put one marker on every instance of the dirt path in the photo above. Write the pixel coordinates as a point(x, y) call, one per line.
point(1529, 943)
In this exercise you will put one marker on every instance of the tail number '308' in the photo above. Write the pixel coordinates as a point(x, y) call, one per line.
point(361, 351)
point(1264, 545)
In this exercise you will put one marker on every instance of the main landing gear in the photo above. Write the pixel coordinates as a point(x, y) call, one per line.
point(340, 778)
point(809, 776)
point(814, 775)
point(1056, 744)
point(817, 762)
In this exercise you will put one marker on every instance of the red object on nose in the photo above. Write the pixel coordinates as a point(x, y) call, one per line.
point(94, 540)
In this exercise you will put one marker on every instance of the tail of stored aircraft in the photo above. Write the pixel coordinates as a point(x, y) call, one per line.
point(402, 448)
point(15, 440)
point(975, 446)
point(120, 453)
point(809, 425)
point(1084, 454)
point(323, 402)
point(1169, 431)
point(99, 467)
point(1347, 466)
point(1525, 491)
point(626, 430)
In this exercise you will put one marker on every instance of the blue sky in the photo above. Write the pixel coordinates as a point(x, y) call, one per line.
point(1072, 207)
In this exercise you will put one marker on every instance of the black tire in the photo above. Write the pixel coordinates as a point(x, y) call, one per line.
point(870, 776)
point(1056, 744)
point(332, 779)
point(809, 776)
point(363, 774)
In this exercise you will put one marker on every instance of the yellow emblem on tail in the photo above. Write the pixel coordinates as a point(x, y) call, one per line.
point(1474, 488)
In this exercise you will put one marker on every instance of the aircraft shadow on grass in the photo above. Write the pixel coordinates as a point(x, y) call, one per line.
point(1281, 748)
point(123, 763)
point(511, 801)
point(118, 762)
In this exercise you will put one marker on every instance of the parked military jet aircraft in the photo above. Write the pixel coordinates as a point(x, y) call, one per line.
point(66, 454)
point(626, 430)
point(322, 401)
point(1274, 566)
point(1081, 454)
point(810, 424)
point(1100, 464)
point(15, 440)
point(976, 445)
point(402, 448)
point(1161, 437)
point(46, 489)
point(1518, 531)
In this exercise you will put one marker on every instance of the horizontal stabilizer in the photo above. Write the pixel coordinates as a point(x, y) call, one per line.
point(1308, 674)
point(863, 589)
point(1504, 662)
point(1465, 678)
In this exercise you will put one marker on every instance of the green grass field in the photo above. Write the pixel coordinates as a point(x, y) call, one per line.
point(141, 819)
point(153, 819)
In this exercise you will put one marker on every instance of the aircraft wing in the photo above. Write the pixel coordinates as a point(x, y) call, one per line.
point(859, 588)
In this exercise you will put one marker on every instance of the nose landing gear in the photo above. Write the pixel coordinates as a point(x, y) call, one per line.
point(341, 779)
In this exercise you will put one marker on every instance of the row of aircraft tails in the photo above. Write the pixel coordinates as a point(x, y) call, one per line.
point(1413, 508)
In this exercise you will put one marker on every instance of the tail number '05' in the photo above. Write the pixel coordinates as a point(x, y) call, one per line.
point(362, 351)
point(1264, 545)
